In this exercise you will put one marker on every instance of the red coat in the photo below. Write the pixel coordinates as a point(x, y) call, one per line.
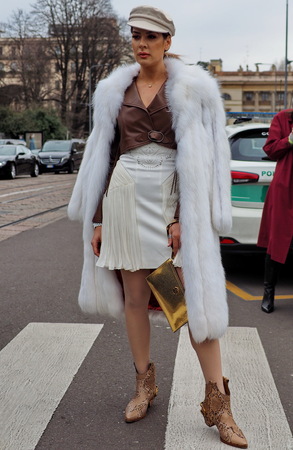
point(276, 229)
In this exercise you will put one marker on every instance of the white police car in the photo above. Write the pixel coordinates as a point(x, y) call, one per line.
point(251, 173)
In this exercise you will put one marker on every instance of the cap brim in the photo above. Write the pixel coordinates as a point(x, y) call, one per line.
point(144, 25)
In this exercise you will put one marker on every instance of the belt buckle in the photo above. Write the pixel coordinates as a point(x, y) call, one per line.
point(155, 136)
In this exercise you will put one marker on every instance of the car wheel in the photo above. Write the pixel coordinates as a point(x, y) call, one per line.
point(35, 171)
point(12, 171)
point(71, 167)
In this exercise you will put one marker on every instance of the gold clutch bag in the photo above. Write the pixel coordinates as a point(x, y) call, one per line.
point(169, 292)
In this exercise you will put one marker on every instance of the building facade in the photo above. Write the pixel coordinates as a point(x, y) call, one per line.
point(254, 91)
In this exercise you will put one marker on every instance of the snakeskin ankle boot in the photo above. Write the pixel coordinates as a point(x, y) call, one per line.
point(146, 391)
point(216, 410)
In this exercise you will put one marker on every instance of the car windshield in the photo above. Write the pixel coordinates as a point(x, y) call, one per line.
point(7, 150)
point(247, 145)
point(56, 146)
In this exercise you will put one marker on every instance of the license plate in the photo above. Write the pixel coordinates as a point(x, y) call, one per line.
point(50, 166)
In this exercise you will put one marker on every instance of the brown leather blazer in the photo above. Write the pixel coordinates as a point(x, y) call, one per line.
point(139, 125)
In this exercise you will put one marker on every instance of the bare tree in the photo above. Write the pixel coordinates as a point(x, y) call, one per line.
point(85, 41)
point(60, 49)
point(28, 58)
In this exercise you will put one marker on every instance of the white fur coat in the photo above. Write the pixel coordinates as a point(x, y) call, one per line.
point(204, 183)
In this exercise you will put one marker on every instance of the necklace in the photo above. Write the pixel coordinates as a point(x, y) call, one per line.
point(150, 85)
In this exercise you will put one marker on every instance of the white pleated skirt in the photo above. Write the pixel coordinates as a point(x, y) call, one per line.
point(139, 204)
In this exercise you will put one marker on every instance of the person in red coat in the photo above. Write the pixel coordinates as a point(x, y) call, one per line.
point(276, 229)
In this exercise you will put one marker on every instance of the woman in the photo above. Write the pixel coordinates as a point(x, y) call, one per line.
point(155, 121)
point(276, 229)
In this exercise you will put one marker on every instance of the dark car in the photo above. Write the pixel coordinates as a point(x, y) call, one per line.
point(57, 156)
point(17, 160)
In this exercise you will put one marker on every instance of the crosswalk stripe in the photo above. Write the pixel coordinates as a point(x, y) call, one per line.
point(36, 368)
point(255, 401)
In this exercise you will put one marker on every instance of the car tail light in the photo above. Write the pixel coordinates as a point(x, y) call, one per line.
point(243, 177)
point(227, 240)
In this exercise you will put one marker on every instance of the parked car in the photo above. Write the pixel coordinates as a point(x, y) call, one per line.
point(17, 160)
point(12, 141)
point(57, 156)
point(251, 173)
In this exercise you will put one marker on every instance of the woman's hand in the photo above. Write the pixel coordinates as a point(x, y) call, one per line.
point(97, 240)
point(174, 238)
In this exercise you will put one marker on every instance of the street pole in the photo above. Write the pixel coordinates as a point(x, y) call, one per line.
point(286, 59)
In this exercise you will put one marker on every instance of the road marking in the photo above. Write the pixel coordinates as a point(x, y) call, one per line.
point(246, 296)
point(256, 404)
point(34, 190)
point(36, 368)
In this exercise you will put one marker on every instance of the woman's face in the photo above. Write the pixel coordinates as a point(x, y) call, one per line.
point(149, 46)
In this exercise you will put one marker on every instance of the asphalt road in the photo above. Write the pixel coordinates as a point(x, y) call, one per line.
point(40, 273)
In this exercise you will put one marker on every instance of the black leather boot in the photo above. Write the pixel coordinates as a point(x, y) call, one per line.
point(272, 270)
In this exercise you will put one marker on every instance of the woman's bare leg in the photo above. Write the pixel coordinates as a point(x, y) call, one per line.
point(137, 295)
point(209, 356)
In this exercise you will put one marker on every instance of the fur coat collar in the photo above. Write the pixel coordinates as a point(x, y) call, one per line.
point(202, 165)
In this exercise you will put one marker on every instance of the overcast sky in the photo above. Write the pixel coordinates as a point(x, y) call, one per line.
point(238, 32)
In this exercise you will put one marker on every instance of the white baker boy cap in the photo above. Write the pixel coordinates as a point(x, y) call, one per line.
point(151, 19)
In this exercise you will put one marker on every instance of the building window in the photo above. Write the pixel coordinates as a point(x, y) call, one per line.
point(13, 51)
point(13, 66)
point(57, 85)
point(226, 97)
point(248, 96)
point(265, 96)
point(72, 67)
point(1, 51)
point(1, 67)
point(280, 97)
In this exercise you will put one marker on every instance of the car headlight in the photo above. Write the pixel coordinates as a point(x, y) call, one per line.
point(3, 163)
point(64, 159)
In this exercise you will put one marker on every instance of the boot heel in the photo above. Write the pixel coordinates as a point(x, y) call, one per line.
point(155, 394)
point(207, 419)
